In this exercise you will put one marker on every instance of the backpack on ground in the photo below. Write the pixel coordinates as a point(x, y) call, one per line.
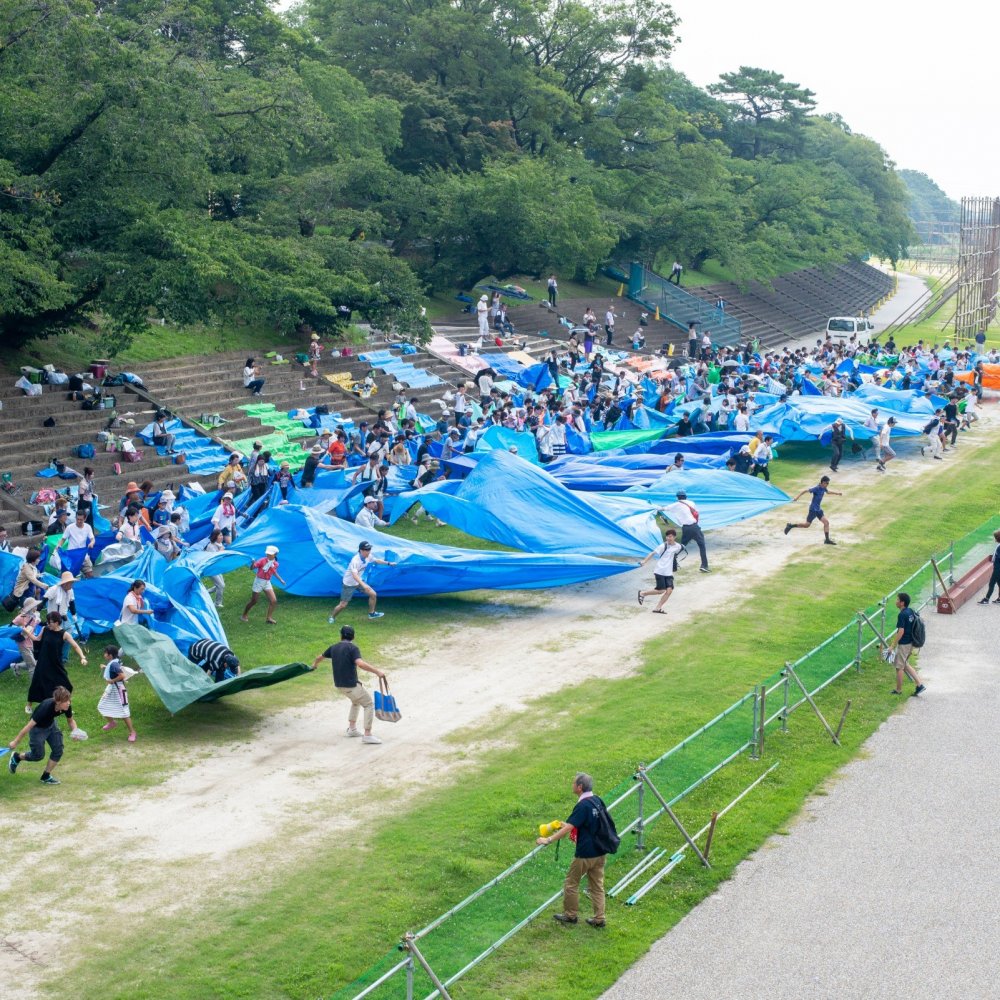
point(606, 838)
point(918, 631)
point(85, 451)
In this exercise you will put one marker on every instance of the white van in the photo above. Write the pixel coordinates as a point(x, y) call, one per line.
point(844, 326)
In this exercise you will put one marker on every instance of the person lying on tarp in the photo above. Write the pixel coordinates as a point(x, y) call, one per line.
point(217, 660)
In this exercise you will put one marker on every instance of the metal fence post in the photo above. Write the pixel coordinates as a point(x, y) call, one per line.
point(881, 605)
point(409, 979)
point(754, 748)
point(641, 826)
point(951, 562)
point(784, 710)
point(857, 656)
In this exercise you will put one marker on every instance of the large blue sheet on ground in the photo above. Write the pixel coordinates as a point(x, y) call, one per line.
point(316, 548)
point(507, 500)
point(808, 418)
point(721, 497)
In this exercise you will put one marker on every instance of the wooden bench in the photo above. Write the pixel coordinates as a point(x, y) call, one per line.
point(965, 588)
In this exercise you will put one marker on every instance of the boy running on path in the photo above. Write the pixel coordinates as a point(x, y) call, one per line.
point(816, 508)
point(663, 571)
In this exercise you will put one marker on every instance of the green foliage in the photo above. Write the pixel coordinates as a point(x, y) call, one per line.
point(214, 162)
point(929, 205)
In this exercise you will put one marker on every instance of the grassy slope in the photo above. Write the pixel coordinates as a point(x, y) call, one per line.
point(394, 876)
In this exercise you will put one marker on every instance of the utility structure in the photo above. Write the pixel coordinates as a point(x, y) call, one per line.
point(978, 266)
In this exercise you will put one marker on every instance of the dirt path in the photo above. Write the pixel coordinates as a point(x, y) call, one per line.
point(188, 836)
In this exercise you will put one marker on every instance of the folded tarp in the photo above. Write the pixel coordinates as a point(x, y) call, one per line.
point(316, 548)
point(594, 477)
point(897, 400)
point(991, 377)
point(606, 440)
point(183, 609)
point(179, 682)
point(808, 418)
point(507, 500)
point(712, 443)
point(721, 497)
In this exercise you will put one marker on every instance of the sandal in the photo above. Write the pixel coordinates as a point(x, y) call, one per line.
point(270, 621)
point(640, 598)
point(657, 611)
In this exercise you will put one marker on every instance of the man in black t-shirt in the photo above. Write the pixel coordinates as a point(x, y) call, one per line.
point(582, 825)
point(903, 643)
point(41, 728)
point(346, 659)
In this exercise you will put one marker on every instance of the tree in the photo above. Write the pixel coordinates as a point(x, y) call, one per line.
point(768, 112)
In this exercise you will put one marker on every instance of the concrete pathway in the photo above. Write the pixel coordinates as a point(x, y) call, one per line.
point(887, 886)
point(909, 291)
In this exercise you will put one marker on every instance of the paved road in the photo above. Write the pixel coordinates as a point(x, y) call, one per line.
point(909, 291)
point(887, 887)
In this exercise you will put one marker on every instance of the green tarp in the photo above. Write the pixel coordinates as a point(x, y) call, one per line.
point(178, 681)
point(605, 440)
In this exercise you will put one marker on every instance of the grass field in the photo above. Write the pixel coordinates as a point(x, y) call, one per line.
point(303, 923)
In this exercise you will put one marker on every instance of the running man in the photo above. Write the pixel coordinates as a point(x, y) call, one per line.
point(663, 571)
point(816, 508)
point(354, 579)
point(885, 453)
point(40, 729)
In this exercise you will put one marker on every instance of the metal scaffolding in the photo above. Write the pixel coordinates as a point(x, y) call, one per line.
point(978, 266)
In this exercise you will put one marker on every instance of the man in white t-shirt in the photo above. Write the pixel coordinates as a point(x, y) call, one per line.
point(663, 572)
point(609, 324)
point(354, 580)
point(483, 315)
point(80, 535)
point(367, 516)
point(885, 453)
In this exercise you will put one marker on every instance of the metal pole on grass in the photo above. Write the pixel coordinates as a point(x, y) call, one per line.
point(676, 821)
point(857, 655)
point(763, 719)
point(951, 562)
point(784, 710)
point(881, 605)
point(815, 707)
point(641, 827)
point(754, 751)
point(409, 978)
point(410, 944)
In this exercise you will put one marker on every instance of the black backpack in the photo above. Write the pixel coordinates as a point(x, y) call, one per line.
point(918, 631)
point(606, 838)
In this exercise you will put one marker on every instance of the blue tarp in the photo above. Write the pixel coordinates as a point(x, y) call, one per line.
point(503, 438)
point(808, 418)
point(507, 500)
point(721, 497)
point(898, 400)
point(316, 548)
point(183, 608)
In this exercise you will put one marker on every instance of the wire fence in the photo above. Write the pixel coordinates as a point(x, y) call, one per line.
point(429, 960)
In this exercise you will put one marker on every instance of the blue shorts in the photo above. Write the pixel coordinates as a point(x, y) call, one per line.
point(814, 512)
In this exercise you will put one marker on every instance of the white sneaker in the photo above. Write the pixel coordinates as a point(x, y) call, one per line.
point(351, 731)
point(370, 739)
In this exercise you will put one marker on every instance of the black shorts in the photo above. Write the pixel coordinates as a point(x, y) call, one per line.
point(663, 582)
point(813, 514)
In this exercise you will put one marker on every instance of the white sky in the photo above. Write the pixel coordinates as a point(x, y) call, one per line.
point(894, 70)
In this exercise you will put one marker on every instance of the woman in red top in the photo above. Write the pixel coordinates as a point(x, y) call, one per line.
point(264, 569)
point(338, 451)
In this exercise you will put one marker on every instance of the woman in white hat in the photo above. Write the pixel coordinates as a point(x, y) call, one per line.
point(60, 597)
point(264, 569)
point(483, 315)
point(224, 517)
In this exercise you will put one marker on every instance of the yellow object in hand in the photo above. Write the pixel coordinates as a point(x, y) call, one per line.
point(547, 829)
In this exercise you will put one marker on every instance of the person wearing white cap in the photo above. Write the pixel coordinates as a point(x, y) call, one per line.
point(368, 515)
point(483, 315)
point(264, 569)
point(354, 580)
point(224, 517)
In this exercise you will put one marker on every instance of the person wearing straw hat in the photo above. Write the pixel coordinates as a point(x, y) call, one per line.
point(60, 597)
point(308, 478)
point(264, 568)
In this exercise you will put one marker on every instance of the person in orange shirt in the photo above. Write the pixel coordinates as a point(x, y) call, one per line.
point(338, 450)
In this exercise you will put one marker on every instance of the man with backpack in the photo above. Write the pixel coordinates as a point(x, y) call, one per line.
point(663, 571)
point(591, 826)
point(910, 635)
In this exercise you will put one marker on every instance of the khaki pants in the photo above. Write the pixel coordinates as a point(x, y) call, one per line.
point(359, 698)
point(593, 868)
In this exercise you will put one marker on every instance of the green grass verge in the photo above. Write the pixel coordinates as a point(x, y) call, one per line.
point(322, 920)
